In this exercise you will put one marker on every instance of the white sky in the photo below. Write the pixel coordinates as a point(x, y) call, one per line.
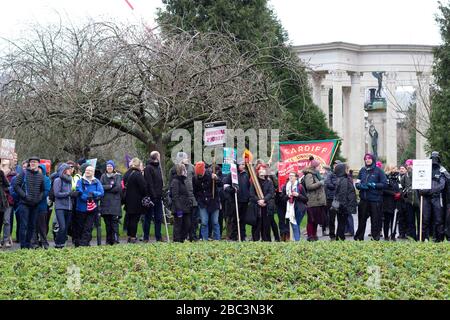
point(307, 21)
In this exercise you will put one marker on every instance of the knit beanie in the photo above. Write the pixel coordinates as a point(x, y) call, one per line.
point(200, 168)
point(315, 163)
point(110, 162)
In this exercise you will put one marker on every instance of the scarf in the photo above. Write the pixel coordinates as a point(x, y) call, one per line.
point(290, 208)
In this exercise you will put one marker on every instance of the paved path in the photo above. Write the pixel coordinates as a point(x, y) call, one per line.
point(322, 237)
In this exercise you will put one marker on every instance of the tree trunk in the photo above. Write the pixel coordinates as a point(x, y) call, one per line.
point(159, 146)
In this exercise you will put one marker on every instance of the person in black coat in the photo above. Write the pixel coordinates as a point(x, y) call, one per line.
point(345, 195)
point(243, 196)
point(29, 186)
point(264, 207)
point(391, 197)
point(181, 204)
point(111, 204)
point(136, 190)
point(154, 180)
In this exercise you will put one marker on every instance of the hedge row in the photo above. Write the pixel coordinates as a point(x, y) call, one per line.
point(223, 270)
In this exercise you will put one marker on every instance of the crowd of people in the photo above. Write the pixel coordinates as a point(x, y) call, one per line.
point(206, 205)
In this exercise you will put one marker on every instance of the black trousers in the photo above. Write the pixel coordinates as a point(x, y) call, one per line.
point(181, 227)
point(262, 228)
point(402, 219)
point(274, 226)
point(433, 219)
point(368, 209)
point(331, 219)
point(232, 224)
point(112, 228)
point(41, 230)
point(193, 231)
point(284, 224)
point(132, 224)
point(447, 222)
point(342, 217)
point(388, 224)
point(82, 228)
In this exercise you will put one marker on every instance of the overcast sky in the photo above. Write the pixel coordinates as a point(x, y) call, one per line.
point(307, 21)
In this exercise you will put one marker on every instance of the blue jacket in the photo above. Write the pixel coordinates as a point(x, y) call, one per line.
point(62, 186)
point(371, 182)
point(43, 206)
point(84, 187)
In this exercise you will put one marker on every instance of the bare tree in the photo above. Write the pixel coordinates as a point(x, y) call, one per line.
point(122, 77)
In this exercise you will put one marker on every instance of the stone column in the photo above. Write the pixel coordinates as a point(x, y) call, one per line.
point(315, 80)
point(324, 102)
point(422, 112)
point(391, 119)
point(337, 103)
point(356, 128)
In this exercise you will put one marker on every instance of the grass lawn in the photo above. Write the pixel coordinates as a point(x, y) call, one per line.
point(226, 270)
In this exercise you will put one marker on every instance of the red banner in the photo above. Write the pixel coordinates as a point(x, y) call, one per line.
point(301, 151)
point(48, 165)
point(294, 156)
point(284, 169)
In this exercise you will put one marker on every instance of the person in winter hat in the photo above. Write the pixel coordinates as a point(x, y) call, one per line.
point(62, 188)
point(111, 204)
point(371, 182)
point(41, 229)
point(90, 192)
point(30, 187)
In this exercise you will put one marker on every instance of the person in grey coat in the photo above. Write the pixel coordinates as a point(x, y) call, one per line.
point(62, 188)
point(182, 158)
point(111, 204)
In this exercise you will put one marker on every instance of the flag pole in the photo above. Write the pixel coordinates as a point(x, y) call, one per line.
point(334, 153)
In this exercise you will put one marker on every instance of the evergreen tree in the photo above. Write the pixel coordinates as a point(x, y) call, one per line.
point(438, 133)
point(256, 24)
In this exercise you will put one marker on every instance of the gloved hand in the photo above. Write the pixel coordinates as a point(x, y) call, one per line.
point(179, 213)
point(74, 194)
point(363, 186)
point(90, 196)
point(425, 192)
point(371, 185)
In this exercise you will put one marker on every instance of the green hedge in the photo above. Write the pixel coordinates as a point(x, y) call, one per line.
point(224, 270)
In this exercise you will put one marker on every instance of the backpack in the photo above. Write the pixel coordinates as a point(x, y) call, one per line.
point(303, 183)
point(51, 194)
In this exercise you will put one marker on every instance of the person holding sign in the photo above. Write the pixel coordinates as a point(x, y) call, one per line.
point(243, 194)
point(433, 202)
point(371, 182)
point(262, 228)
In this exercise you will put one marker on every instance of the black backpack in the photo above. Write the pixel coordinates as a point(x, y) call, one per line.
point(51, 194)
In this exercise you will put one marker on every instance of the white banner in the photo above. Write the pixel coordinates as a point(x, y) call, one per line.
point(215, 133)
point(234, 174)
point(7, 149)
point(421, 174)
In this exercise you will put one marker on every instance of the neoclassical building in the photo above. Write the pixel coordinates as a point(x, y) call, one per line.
point(344, 83)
